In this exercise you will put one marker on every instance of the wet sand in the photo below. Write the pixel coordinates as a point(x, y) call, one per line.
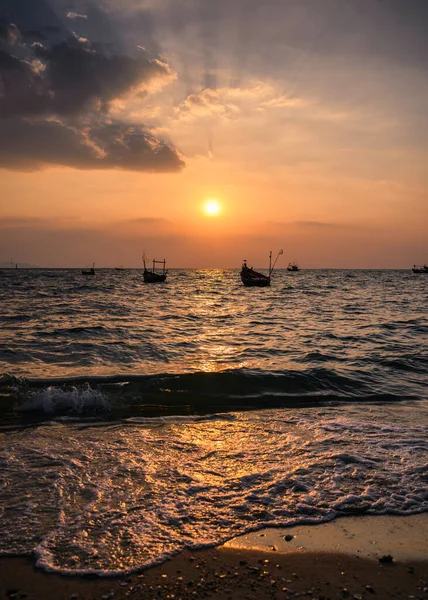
point(347, 567)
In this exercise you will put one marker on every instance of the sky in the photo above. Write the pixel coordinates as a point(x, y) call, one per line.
point(306, 120)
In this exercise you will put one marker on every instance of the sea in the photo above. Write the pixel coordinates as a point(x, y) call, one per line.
point(138, 420)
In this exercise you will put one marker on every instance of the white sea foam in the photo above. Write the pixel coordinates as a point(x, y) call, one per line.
point(53, 399)
point(113, 498)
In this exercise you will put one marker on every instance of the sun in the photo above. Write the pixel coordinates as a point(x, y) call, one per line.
point(212, 208)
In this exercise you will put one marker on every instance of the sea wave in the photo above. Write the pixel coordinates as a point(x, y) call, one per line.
point(132, 395)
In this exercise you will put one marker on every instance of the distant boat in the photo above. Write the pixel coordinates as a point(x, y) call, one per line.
point(293, 267)
point(152, 276)
point(251, 278)
point(121, 268)
point(420, 269)
point(90, 271)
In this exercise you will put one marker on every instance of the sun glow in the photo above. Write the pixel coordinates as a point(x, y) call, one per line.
point(212, 208)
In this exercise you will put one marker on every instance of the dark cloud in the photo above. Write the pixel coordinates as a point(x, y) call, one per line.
point(56, 87)
point(28, 144)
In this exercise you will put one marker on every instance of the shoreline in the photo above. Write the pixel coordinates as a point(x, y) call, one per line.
point(331, 560)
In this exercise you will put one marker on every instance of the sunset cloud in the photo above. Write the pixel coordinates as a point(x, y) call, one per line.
point(56, 89)
point(27, 144)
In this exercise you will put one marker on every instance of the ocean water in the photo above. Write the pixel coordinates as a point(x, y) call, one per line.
point(138, 420)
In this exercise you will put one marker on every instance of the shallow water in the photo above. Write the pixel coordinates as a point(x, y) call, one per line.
point(132, 423)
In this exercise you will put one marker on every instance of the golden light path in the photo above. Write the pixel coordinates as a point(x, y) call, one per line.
point(212, 208)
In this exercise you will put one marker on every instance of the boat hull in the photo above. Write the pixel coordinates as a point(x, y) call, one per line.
point(150, 277)
point(255, 281)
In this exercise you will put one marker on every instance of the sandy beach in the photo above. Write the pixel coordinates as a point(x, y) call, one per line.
point(329, 561)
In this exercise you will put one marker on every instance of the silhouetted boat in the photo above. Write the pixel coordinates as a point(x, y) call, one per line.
point(121, 268)
point(251, 278)
point(293, 267)
point(420, 269)
point(152, 276)
point(90, 271)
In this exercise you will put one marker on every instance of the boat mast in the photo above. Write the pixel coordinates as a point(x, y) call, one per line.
point(273, 266)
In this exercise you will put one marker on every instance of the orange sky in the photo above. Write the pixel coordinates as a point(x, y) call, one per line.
point(323, 154)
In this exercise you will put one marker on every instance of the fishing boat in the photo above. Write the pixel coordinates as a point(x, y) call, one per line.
point(152, 276)
point(90, 271)
point(420, 269)
point(293, 267)
point(251, 278)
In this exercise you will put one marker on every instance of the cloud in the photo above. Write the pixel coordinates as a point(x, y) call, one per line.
point(73, 15)
point(27, 144)
point(56, 90)
point(230, 103)
point(309, 225)
point(71, 77)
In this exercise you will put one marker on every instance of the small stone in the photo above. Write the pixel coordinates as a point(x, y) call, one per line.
point(386, 559)
point(243, 562)
point(288, 538)
point(370, 589)
point(345, 592)
point(274, 548)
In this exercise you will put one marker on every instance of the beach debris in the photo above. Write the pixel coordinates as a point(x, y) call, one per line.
point(274, 548)
point(288, 537)
point(386, 559)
